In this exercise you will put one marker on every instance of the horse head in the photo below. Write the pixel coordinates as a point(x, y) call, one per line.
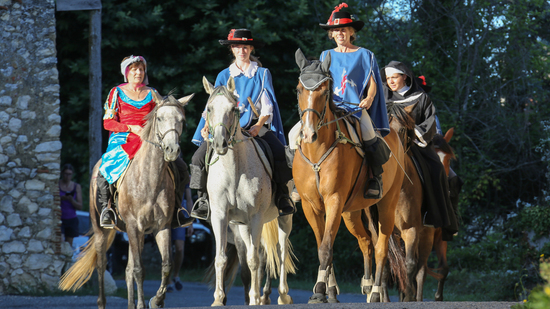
point(404, 123)
point(444, 150)
point(314, 94)
point(222, 114)
point(165, 124)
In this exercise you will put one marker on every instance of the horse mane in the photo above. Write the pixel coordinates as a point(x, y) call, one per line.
point(168, 100)
point(440, 143)
point(397, 111)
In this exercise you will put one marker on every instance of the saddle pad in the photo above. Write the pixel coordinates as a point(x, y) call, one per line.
point(353, 134)
point(261, 150)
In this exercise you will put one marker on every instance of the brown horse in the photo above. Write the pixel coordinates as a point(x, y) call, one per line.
point(146, 204)
point(419, 240)
point(446, 154)
point(332, 187)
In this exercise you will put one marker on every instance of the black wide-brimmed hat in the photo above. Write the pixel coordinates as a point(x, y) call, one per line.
point(243, 37)
point(339, 19)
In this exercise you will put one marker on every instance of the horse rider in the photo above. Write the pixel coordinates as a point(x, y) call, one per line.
point(357, 83)
point(125, 108)
point(262, 119)
point(401, 87)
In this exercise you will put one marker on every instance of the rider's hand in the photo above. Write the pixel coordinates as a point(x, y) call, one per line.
point(366, 103)
point(254, 130)
point(204, 132)
point(135, 129)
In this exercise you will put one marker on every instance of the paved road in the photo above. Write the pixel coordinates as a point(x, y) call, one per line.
point(199, 295)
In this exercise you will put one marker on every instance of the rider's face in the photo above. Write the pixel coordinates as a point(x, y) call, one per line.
point(396, 81)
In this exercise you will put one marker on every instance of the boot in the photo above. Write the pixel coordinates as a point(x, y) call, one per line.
point(180, 219)
point(284, 203)
point(377, 153)
point(201, 208)
point(107, 219)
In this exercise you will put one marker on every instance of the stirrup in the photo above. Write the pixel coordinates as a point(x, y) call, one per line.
point(102, 217)
point(378, 179)
point(197, 212)
point(188, 220)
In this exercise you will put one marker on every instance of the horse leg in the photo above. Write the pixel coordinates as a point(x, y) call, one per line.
point(441, 251)
point(219, 226)
point(264, 299)
point(333, 219)
point(424, 250)
point(130, 280)
point(100, 243)
point(251, 236)
point(355, 226)
point(285, 227)
point(163, 239)
point(410, 237)
point(386, 210)
point(245, 271)
point(136, 239)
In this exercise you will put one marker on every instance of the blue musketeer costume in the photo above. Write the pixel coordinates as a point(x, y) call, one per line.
point(351, 73)
point(249, 87)
point(254, 83)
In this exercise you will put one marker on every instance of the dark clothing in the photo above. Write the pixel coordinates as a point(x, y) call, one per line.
point(69, 227)
point(437, 209)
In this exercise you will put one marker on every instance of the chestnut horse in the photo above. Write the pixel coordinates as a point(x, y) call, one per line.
point(332, 187)
point(146, 202)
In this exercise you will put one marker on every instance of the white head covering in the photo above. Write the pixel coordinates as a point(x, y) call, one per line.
point(132, 59)
point(391, 71)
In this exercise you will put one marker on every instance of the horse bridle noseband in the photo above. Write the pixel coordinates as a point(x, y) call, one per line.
point(159, 136)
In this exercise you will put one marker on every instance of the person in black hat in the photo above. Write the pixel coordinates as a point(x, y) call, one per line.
point(357, 87)
point(254, 81)
point(401, 87)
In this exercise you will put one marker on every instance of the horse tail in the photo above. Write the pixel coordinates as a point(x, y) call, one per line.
point(432, 273)
point(230, 272)
point(396, 258)
point(270, 240)
point(82, 269)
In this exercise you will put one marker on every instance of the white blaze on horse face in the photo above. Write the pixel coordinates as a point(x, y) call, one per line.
point(220, 119)
point(308, 129)
point(169, 126)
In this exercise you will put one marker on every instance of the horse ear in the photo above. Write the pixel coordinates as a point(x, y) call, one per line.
point(325, 66)
point(207, 85)
point(186, 99)
point(231, 84)
point(157, 97)
point(301, 60)
point(449, 134)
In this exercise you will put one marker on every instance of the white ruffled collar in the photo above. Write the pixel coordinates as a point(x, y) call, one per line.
point(234, 71)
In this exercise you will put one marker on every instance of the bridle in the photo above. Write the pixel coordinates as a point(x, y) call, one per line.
point(160, 136)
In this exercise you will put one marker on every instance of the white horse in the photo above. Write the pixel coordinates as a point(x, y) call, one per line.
point(240, 193)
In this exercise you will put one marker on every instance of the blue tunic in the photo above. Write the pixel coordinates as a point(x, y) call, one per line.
point(253, 88)
point(351, 73)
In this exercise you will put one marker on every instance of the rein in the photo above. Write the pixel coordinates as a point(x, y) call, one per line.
point(232, 131)
point(160, 136)
point(340, 137)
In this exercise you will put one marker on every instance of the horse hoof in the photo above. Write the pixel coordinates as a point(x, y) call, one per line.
point(217, 303)
point(153, 303)
point(285, 300)
point(333, 300)
point(317, 298)
point(373, 298)
point(265, 301)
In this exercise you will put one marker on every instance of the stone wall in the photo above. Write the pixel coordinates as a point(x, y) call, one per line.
point(32, 255)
